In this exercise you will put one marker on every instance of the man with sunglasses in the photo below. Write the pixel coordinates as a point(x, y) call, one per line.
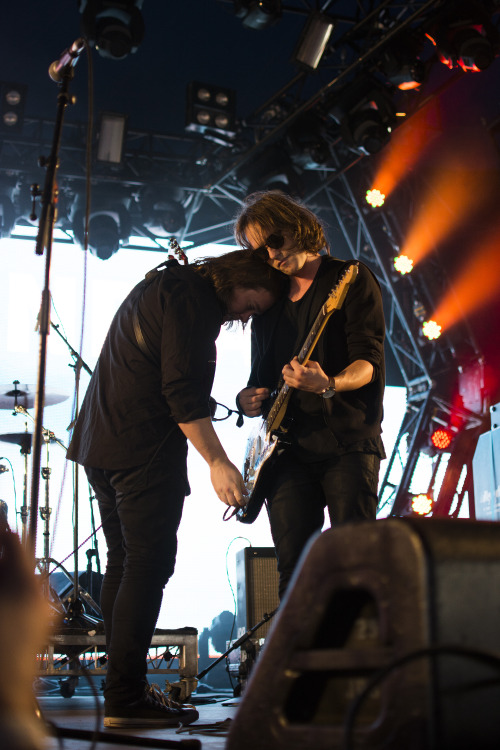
point(330, 455)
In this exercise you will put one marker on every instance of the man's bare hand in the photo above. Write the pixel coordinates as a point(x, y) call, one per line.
point(228, 483)
point(250, 400)
point(309, 377)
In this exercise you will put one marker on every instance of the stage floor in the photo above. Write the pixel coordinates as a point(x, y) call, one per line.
point(79, 713)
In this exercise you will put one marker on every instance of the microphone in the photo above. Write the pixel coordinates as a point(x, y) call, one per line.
point(68, 57)
point(3, 469)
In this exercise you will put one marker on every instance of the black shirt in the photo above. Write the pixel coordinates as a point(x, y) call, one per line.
point(135, 400)
point(351, 420)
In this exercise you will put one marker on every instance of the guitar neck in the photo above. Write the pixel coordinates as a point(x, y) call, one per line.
point(334, 301)
point(277, 412)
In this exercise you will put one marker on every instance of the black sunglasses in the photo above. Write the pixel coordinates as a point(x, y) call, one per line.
point(274, 241)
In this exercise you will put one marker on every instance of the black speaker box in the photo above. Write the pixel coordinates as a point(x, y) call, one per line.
point(389, 637)
point(256, 588)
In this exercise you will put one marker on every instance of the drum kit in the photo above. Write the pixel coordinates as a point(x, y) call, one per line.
point(18, 398)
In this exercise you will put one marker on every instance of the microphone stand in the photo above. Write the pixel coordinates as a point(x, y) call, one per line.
point(240, 642)
point(44, 240)
point(75, 609)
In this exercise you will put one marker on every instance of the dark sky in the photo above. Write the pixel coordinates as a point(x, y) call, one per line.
point(188, 40)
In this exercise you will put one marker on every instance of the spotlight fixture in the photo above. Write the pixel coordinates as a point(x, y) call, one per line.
point(258, 14)
point(400, 62)
point(465, 37)
point(210, 109)
point(307, 145)
point(9, 205)
point(422, 504)
point(431, 330)
point(7, 215)
point(271, 169)
point(13, 97)
point(111, 137)
point(313, 40)
point(162, 210)
point(365, 113)
point(115, 27)
point(403, 264)
point(109, 225)
point(375, 198)
point(441, 438)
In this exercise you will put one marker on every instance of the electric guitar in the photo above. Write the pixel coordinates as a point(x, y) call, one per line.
point(263, 441)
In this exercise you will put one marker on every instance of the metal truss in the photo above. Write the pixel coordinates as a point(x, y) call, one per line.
point(213, 173)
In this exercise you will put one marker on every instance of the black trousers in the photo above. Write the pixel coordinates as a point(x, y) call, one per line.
point(140, 509)
point(299, 492)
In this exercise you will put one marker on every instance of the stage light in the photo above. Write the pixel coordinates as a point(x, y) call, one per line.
point(375, 198)
point(403, 264)
point(210, 109)
point(422, 504)
point(13, 97)
point(431, 330)
point(365, 114)
point(306, 143)
point(271, 169)
point(111, 138)
point(109, 224)
point(313, 40)
point(7, 215)
point(162, 211)
point(401, 64)
point(258, 14)
point(115, 27)
point(441, 438)
point(465, 37)
point(9, 192)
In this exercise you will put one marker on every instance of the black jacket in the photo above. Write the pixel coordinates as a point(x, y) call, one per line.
point(356, 331)
point(135, 400)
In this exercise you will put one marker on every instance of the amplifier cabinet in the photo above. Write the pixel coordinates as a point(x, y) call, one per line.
point(256, 587)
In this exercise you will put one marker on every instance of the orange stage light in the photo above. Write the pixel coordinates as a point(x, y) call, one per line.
point(375, 198)
point(477, 286)
point(403, 264)
point(408, 142)
point(453, 196)
point(421, 504)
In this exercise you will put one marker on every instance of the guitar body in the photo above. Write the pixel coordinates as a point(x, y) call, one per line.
point(258, 463)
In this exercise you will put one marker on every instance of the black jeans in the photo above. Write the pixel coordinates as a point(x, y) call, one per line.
point(140, 510)
point(299, 492)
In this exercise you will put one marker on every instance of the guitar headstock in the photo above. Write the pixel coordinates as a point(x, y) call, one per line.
point(177, 250)
point(338, 293)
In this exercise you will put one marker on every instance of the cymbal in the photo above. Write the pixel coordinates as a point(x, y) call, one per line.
point(13, 394)
point(18, 438)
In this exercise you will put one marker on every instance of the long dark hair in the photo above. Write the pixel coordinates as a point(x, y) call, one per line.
point(240, 268)
point(273, 210)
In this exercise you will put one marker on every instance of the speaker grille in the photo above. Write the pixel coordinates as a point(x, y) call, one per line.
point(257, 588)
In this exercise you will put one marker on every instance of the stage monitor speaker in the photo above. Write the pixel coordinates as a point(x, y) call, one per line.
point(256, 587)
point(388, 638)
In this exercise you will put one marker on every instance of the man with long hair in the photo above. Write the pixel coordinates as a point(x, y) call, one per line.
point(332, 449)
point(149, 395)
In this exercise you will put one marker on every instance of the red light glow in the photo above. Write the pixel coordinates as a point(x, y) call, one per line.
point(441, 439)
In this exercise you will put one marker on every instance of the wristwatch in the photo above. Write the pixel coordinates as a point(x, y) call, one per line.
point(330, 390)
